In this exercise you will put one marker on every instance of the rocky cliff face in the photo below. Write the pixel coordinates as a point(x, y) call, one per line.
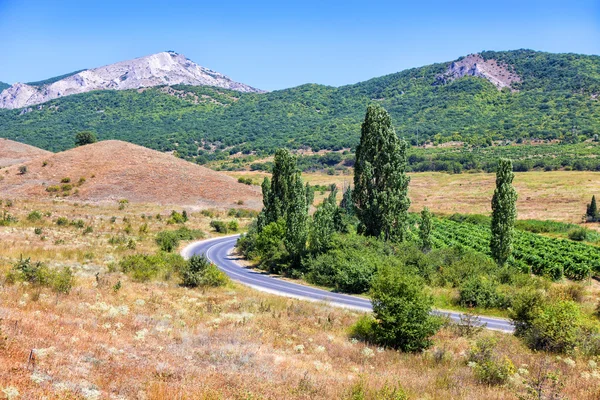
point(474, 65)
point(166, 68)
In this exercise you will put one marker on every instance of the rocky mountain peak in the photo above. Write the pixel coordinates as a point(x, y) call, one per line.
point(165, 68)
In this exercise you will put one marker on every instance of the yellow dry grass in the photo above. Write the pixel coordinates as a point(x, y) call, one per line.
point(158, 340)
point(555, 195)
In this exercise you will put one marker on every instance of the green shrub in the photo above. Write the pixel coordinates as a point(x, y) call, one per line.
point(37, 231)
point(556, 327)
point(65, 180)
point(363, 329)
point(66, 187)
point(144, 267)
point(578, 234)
point(403, 311)
point(87, 230)
point(479, 291)
point(167, 241)
point(34, 216)
point(199, 271)
point(233, 226)
point(177, 218)
point(77, 223)
point(53, 189)
point(219, 226)
point(63, 281)
point(62, 221)
point(487, 367)
point(39, 275)
point(23, 169)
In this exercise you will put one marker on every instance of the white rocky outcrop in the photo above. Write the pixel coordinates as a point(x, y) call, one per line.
point(474, 65)
point(166, 68)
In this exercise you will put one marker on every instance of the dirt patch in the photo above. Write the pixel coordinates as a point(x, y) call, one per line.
point(12, 153)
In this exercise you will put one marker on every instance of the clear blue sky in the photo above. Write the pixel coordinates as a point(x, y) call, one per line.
point(279, 44)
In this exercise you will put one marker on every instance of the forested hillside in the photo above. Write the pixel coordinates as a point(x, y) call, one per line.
point(557, 98)
point(3, 86)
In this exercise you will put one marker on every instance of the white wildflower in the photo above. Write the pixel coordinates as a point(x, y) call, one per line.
point(523, 371)
point(354, 341)
point(140, 302)
point(380, 349)
point(570, 362)
point(320, 349)
point(10, 392)
point(107, 326)
point(141, 335)
point(118, 325)
point(39, 377)
point(472, 364)
point(91, 393)
point(299, 348)
point(368, 353)
point(592, 364)
point(585, 375)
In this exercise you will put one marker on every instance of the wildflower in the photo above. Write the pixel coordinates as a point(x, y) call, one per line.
point(368, 353)
point(354, 341)
point(299, 348)
point(380, 349)
point(91, 393)
point(141, 335)
point(570, 362)
point(585, 375)
point(592, 364)
point(472, 364)
point(320, 349)
point(140, 302)
point(523, 371)
point(10, 392)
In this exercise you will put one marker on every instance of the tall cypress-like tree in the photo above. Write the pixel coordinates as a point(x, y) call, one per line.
point(380, 191)
point(592, 210)
point(261, 220)
point(280, 195)
point(425, 230)
point(346, 204)
point(325, 223)
point(296, 221)
point(504, 213)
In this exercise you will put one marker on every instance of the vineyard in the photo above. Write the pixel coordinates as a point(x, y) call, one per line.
point(541, 255)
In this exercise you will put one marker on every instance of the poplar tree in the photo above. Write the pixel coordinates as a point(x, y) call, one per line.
point(324, 224)
point(380, 193)
point(261, 221)
point(504, 213)
point(425, 230)
point(296, 221)
point(280, 195)
point(346, 204)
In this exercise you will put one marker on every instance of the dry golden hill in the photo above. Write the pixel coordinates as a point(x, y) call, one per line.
point(114, 170)
point(12, 153)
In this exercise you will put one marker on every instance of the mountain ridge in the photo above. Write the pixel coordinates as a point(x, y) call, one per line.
point(165, 68)
point(553, 97)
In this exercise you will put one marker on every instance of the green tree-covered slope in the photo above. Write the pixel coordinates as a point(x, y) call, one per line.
point(557, 98)
point(3, 86)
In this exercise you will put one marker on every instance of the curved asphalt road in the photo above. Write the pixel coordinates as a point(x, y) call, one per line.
point(218, 251)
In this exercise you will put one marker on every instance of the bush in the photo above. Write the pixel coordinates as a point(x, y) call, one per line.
point(488, 368)
point(219, 226)
point(177, 218)
point(233, 226)
point(578, 234)
point(555, 327)
point(38, 274)
point(23, 169)
point(34, 216)
point(479, 291)
point(167, 241)
point(53, 189)
point(144, 267)
point(65, 180)
point(402, 310)
point(363, 329)
point(199, 271)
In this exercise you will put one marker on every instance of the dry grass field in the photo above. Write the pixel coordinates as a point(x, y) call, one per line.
point(157, 340)
point(555, 195)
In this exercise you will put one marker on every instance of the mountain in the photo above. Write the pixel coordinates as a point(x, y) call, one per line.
point(17, 153)
point(115, 170)
point(513, 95)
point(3, 86)
point(166, 68)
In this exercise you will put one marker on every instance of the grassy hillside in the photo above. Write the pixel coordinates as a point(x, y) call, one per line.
point(3, 86)
point(557, 99)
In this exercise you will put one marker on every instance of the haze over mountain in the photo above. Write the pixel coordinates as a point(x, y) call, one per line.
point(166, 68)
point(521, 94)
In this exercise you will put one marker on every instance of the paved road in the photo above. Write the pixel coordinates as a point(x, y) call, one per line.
point(218, 251)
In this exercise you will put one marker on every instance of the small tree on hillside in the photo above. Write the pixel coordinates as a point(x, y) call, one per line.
point(504, 213)
point(380, 184)
point(425, 230)
point(85, 137)
point(402, 311)
point(324, 224)
point(280, 195)
point(592, 211)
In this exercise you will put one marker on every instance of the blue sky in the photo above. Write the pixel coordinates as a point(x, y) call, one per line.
point(278, 44)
